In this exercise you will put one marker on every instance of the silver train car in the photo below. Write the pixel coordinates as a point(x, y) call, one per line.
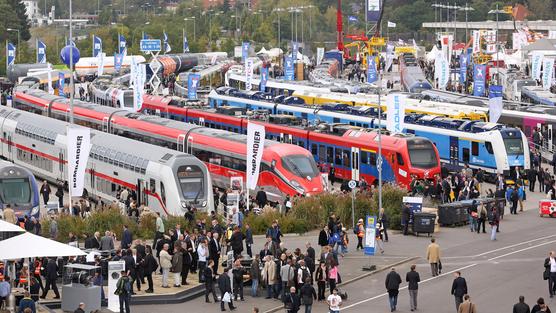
point(165, 180)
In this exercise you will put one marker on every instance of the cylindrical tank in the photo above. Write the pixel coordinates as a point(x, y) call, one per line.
point(177, 63)
point(20, 70)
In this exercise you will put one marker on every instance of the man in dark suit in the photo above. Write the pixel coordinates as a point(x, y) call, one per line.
point(225, 285)
point(130, 266)
point(310, 250)
point(51, 275)
point(209, 282)
point(261, 198)
point(127, 238)
point(459, 288)
point(214, 251)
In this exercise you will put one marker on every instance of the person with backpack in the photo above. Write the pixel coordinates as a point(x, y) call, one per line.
point(308, 295)
point(123, 290)
point(482, 219)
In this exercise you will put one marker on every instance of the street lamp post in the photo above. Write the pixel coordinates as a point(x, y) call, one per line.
point(278, 11)
point(466, 9)
point(18, 47)
point(497, 11)
point(194, 31)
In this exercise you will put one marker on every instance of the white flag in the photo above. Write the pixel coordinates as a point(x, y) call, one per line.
point(320, 55)
point(391, 24)
point(50, 89)
point(441, 70)
point(395, 112)
point(536, 61)
point(248, 74)
point(78, 147)
point(547, 73)
point(100, 63)
point(255, 149)
point(495, 109)
point(476, 41)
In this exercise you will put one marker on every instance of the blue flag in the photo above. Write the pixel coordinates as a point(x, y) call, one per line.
point(372, 75)
point(167, 47)
point(463, 68)
point(41, 52)
point(97, 46)
point(185, 44)
point(118, 60)
point(61, 79)
point(10, 54)
point(245, 51)
point(288, 69)
point(122, 45)
point(479, 79)
point(264, 79)
point(192, 86)
point(352, 18)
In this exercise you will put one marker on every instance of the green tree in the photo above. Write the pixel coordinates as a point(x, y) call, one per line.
point(22, 20)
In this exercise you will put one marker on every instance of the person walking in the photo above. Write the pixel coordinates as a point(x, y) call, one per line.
point(406, 213)
point(177, 263)
point(392, 284)
point(360, 234)
point(413, 279)
point(214, 251)
point(334, 301)
point(208, 275)
point(269, 276)
point(165, 264)
point(45, 192)
point(540, 307)
point(124, 291)
point(51, 274)
point(433, 256)
point(467, 306)
point(287, 274)
point(321, 277)
point(249, 240)
point(481, 220)
point(383, 219)
point(255, 275)
point(521, 306)
point(291, 301)
point(150, 266)
point(494, 223)
point(60, 194)
point(225, 287)
point(459, 289)
point(308, 294)
point(550, 272)
point(333, 276)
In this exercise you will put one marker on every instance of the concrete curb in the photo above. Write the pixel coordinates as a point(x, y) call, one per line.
point(276, 309)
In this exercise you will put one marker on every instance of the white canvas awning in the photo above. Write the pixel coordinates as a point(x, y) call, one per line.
point(28, 245)
point(6, 227)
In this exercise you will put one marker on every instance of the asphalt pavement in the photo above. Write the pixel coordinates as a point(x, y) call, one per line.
point(497, 272)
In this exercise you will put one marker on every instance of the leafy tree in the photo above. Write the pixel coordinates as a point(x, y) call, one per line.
point(22, 20)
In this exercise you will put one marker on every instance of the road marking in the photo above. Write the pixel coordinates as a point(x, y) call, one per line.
point(453, 271)
point(514, 245)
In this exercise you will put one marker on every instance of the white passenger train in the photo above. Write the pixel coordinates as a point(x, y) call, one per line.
point(165, 180)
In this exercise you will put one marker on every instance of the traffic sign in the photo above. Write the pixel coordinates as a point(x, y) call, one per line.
point(150, 45)
point(352, 184)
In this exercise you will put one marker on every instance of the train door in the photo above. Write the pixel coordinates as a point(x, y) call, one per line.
point(105, 124)
point(550, 139)
point(9, 147)
point(181, 143)
point(61, 165)
point(454, 151)
point(92, 179)
point(141, 188)
point(355, 163)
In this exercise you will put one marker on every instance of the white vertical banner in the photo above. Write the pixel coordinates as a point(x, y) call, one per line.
point(100, 63)
point(495, 107)
point(255, 149)
point(395, 112)
point(476, 41)
point(441, 70)
point(248, 74)
point(547, 73)
point(536, 62)
point(50, 89)
point(320, 55)
point(78, 147)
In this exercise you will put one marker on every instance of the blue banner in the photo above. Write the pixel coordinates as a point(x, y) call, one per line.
point(61, 79)
point(352, 18)
point(167, 47)
point(97, 46)
point(370, 235)
point(264, 79)
point(245, 51)
point(185, 44)
point(10, 53)
point(192, 85)
point(372, 75)
point(479, 80)
point(295, 48)
point(122, 49)
point(289, 72)
point(373, 10)
point(118, 60)
point(463, 68)
point(41, 52)
point(495, 91)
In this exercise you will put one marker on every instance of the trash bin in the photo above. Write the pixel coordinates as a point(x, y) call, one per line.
point(423, 223)
point(450, 214)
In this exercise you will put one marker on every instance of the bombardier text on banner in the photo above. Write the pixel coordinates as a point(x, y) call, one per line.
point(395, 112)
point(79, 145)
point(255, 147)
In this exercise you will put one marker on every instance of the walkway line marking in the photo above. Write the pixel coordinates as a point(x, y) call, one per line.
point(514, 245)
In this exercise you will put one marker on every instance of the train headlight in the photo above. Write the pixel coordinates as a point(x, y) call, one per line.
point(183, 204)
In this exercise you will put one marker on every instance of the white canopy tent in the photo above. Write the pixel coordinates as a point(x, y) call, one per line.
point(6, 227)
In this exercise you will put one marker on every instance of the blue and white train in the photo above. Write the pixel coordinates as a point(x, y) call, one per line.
point(493, 147)
point(18, 189)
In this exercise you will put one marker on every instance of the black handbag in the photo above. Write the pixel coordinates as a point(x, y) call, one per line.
point(545, 275)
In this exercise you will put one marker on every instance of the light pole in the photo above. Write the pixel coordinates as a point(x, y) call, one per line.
point(497, 11)
point(210, 24)
point(466, 9)
point(194, 30)
point(71, 63)
point(278, 11)
point(18, 47)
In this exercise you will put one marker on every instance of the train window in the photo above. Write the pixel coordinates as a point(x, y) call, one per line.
point(314, 149)
point(488, 147)
point(364, 157)
point(347, 158)
point(162, 193)
point(301, 144)
point(400, 159)
point(465, 154)
point(152, 184)
point(372, 158)
point(335, 120)
point(475, 148)
point(329, 154)
point(338, 157)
